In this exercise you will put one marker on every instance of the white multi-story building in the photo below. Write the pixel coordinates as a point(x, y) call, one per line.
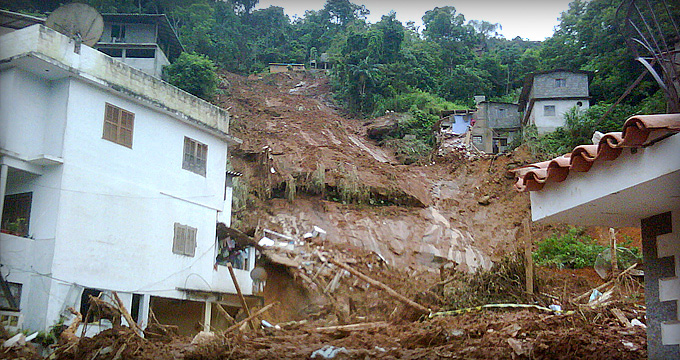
point(548, 95)
point(111, 180)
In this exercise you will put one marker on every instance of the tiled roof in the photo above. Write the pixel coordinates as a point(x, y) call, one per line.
point(638, 131)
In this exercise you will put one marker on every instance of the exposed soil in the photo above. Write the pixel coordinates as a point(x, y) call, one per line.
point(423, 230)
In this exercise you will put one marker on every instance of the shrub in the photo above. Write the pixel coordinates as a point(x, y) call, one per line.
point(572, 250)
point(193, 73)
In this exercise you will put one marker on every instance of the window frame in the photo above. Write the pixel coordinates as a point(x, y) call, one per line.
point(184, 240)
point(549, 113)
point(117, 121)
point(195, 156)
point(560, 82)
point(12, 211)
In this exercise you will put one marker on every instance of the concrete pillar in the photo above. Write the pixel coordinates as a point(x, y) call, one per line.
point(144, 307)
point(660, 244)
point(207, 315)
point(3, 186)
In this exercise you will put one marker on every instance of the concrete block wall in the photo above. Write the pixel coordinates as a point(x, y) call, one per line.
point(661, 252)
point(576, 85)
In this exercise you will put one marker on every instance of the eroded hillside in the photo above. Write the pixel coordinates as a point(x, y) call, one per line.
point(303, 162)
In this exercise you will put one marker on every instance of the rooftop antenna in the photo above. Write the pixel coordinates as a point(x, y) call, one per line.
point(78, 21)
point(655, 40)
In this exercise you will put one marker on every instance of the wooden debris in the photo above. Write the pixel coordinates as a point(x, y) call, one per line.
point(614, 262)
point(621, 317)
point(382, 286)
point(353, 327)
point(224, 313)
point(240, 294)
point(587, 293)
point(529, 268)
point(251, 317)
point(69, 335)
point(131, 323)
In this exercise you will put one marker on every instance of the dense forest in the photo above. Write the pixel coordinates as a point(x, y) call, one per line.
point(390, 66)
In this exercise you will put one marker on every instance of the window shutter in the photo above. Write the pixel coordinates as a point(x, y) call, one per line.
point(190, 249)
point(177, 242)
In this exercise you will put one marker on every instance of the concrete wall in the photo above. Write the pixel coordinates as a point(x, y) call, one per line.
point(544, 85)
point(661, 251)
point(501, 115)
point(135, 33)
point(98, 68)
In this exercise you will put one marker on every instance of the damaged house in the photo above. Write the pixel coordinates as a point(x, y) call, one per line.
point(548, 95)
point(111, 180)
point(497, 125)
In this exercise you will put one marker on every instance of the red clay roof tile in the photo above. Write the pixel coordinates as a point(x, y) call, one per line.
point(638, 131)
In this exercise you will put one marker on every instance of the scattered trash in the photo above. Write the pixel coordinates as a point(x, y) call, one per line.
point(594, 295)
point(555, 307)
point(629, 345)
point(266, 242)
point(636, 322)
point(18, 339)
point(204, 337)
point(328, 352)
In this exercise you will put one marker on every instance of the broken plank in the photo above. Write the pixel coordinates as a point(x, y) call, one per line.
point(587, 293)
point(382, 286)
point(621, 317)
point(353, 327)
point(251, 317)
point(224, 313)
point(240, 294)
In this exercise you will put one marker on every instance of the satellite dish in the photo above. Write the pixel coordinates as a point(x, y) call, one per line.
point(78, 21)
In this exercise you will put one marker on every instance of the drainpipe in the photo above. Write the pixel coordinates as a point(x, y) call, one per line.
point(3, 187)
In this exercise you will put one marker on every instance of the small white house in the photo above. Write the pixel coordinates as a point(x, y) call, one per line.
point(548, 95)
point(631, 178)
point(111, 180)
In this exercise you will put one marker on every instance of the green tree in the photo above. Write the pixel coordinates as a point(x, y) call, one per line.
point(193, 73)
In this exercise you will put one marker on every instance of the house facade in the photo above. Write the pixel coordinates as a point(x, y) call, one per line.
point(547, 96)
point(497, 125)
point(630, 178)
point(111, 180)
point(143, 41)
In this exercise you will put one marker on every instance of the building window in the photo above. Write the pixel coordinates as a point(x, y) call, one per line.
point(15, 292)
point(195, 156)
point(118, 125)
point(549, 110)
point(140, 53)
point(16, 214)
point(477, 140)
point(560, 83)
point(85, 303)
point(118, 53)
point(184, 241)
point(118, 33)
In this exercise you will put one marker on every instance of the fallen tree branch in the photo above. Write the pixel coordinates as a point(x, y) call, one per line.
point(498, 306)
point(587, 293)
point(69, 334)
point(251, 317)
point(382, 286)
point(131, 322)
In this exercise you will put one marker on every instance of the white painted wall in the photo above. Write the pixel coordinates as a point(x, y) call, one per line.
point(545, 124)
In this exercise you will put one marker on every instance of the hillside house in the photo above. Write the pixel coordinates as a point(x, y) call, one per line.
point(548, 95)
point(629, 178)
point(110, 180)
point(284, 67)
point(143, 41)
point(497, 125)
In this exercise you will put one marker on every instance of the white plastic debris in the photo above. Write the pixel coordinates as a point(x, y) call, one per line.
point(265, 242)
point(203, 337)
point(307, 235)
point(328, 352)
point(272, 170)
point(555, 307)
point(317, 231)
point(636, 322)
point(266, 323)
point(32, 337)
point(18, 339)
point(594, 295)
point(629, 345)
